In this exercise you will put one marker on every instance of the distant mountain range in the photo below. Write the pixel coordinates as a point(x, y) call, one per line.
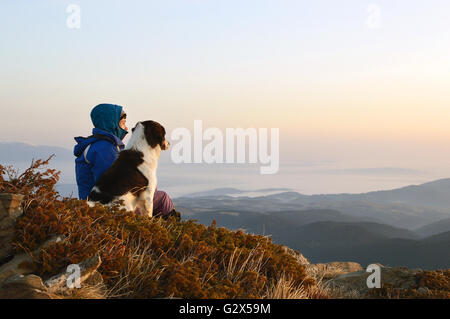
point(402, 227)
point(434, 228)
point(408, 207)
point(19, 152)
point(326, 236)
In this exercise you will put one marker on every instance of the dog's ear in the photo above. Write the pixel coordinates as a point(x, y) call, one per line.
point(132, 130)
point(154, 133)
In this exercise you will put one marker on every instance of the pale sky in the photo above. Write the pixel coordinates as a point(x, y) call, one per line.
point(338, 89)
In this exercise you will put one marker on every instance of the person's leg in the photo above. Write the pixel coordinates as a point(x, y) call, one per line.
point(162, 204)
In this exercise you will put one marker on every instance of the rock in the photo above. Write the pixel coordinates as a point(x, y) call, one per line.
point(10, 209)
point(6, 243)
point(7, 232)
point(87, 269)
point(332, 269)
point(19, 265)
point(24, 287)
point(302, 260)
point(23, 264)
point(10, 205)
point(7, 223)
point(394, 277)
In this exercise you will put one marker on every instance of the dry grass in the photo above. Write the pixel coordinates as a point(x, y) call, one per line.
point(285, 288)
point(238, 264)
point(141, 264)
point(323, 273)
point(331, 270)
point(85, 292)
point(302, 260)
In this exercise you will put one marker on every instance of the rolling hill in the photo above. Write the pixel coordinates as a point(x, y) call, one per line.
point(409, 207)
point(327, 235)
point(18, 152)
point(434, 228)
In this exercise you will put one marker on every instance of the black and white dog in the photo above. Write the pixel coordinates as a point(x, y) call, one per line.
point(132, 176)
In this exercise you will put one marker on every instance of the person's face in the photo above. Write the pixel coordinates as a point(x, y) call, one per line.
point(123, 124)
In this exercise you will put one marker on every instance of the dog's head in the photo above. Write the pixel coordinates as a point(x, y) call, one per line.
point(154, 133)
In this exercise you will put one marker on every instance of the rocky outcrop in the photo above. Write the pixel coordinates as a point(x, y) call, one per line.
point(302, 260)
point(87, 269)
point(18, 286)
point(10, 209)
point(22, 264)
point(17, 280)
point(24, 287)
point(348, 280)
point(332, 269)
point(354, 284)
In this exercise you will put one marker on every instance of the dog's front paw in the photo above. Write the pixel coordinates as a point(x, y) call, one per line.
point(149, 210)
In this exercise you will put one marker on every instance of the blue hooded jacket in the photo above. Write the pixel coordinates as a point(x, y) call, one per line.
point(103, 150)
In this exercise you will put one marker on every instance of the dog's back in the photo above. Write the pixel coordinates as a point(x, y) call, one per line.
point(122, 177)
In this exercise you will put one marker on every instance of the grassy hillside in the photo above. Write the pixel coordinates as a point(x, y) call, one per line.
point(149, 257)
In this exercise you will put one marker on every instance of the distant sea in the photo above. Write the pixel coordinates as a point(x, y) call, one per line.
point(327, 178)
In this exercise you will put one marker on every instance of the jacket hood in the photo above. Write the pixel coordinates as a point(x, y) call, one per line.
point(83, 142)
point(106, 117)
